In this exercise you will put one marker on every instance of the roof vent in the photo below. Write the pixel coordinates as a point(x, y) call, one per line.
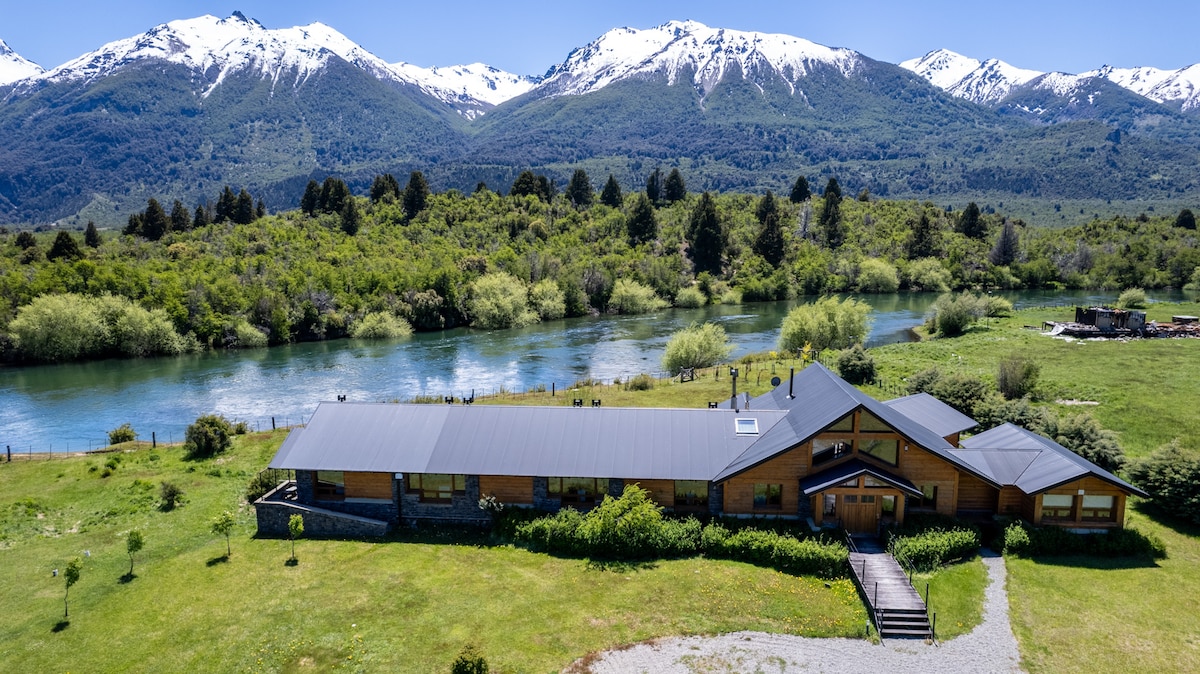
point(745, 426)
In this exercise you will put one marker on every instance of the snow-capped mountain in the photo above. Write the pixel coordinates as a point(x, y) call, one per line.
point(986, 82)
point(14, 67)
point(1180, 87)
point(681, 46)
point(477, 81)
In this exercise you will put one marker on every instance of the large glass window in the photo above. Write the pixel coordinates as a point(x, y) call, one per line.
point(436, 487)
point(868, 422)
point(691, 494)
point(1098, 508)
point(887, 451)
point(331, 485)
point(768, 496)
point(1058, 506)
point(830, 449)
point(889, 506)
point(928, 500)
point(830, 505)
point(846, 424)
point(582, 490)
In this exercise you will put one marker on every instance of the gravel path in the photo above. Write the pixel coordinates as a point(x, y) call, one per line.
point(990, 647)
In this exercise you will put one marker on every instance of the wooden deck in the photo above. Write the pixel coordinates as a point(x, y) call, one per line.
point(897, 608)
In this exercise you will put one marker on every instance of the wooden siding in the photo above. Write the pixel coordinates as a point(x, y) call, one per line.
point(662, 492)
point(369, 485)
point(922, 467)
point(1091, 486)
point(975, 494)
point(1010, 501)
point(507, 489)
point(786, 469)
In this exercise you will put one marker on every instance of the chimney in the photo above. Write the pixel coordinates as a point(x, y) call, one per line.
point(791, 376)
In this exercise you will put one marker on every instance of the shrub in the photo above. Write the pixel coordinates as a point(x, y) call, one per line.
point(246, 336)
point(640, 382)
point(469, 661)
point(961, 391)
point(548, 300)
point(241, 428)
point(856, 365)
point(1017, 377)
point(1132, 298)
point(122, 433)
point(828, 323)
point(877, 276)
point(1025, 540)
point(928, 274)
point(924, 381)
point(498, 300)
point(994, 410)
point(734, 296)
point(698, 345)
point(207, 436)
point(69, 326)
point(951, 314)
point(777, 551)
point(381, 325)
point(554, 534)
point(928, 543)
point(1172, 478)
point(259, 485)
point(631, 297)
point(1083, 435)
point(995, 306)
point(170, 496)
point(623, 528)
point(690, 297)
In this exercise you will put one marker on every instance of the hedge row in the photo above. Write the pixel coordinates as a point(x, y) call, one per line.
point(1024, 540)
point(927, 542)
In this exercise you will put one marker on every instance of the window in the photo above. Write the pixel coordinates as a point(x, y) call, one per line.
point(1098, 508)
point(846, 423)
point(850, 499)
point(852, 483)
point(830, 449)
point(436, 487)
point(691, 494)
point(331, 485)
point(768, 496)
point(1058, 506)
point(868, 422)
point(889, 506)
point(866, 498)
point(744, 426)
point(830, 508)
point(582, 490)
point(928, 500)
point(874, 484)
point(887, 451)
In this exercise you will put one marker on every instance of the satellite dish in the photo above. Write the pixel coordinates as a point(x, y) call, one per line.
point(775, 381)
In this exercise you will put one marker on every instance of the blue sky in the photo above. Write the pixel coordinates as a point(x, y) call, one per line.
point(529, 37)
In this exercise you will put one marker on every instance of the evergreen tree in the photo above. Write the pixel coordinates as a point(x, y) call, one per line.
point(769, 243)
point(579, 190)
point(526, 185)
point(334, 194)
point(351, 218)
point(260, 211)
point(91, 237)
point(202, 218)
point(923, 240)
point(133, 225)
point(611, 196)
point(674, 189)
point(416, 194)
point(226, 205)
point(243, 211)
point(64, 248)
point(706, 240)
point(833, 230)
point(25, 240)
point(642, 224)
point(545, 188)
point(154, 221)
point(970, 222)
point(311, 201)
point(1007, 247)
point(385, 188)
point(1186, 219)
point(800, 191)
point(654, 186)
point(481, 187)
point(181, 218)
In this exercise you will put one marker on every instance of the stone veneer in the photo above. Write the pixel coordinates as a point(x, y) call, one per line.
point(273, 513)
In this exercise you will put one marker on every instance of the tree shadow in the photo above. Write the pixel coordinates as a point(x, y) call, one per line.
point(620, 566)
point(1167, 519)
point(217, 560)
point(60, 626)
point(1083, 561)
point(292, 562)
point(127, 578)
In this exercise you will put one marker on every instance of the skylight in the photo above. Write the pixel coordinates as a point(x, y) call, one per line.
point(745, 426)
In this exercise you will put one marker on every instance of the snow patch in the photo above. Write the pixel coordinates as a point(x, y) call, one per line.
point(14, 67)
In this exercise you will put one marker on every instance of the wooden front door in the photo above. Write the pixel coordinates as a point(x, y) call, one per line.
point(859, 517)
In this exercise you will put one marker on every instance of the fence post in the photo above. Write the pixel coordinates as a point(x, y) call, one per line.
point(272, 423)
point(8, 448)
point(926, 596)
point(153, 440)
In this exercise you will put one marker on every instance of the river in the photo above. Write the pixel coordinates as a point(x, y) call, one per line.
point(71, 407)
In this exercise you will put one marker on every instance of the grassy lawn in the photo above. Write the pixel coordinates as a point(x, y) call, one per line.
point(405, 604)
point(1082, 615)
point(955, 595)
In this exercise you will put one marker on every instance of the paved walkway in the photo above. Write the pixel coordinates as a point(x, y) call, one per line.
point(990, 647)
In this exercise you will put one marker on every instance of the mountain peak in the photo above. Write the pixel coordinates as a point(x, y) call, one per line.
point(14, 67)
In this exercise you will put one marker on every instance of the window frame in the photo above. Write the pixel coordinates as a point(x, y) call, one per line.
point(864, 441)
point(556, 487)
point(1111, 508)
point(772, 496)
point(414, 483)
point(1058, 513)
point(699, 501)
point(336, 491)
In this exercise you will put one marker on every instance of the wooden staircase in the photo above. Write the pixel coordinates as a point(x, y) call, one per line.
point(896, 607)
point(903, 623)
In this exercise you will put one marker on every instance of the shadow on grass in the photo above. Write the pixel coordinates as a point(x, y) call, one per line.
point(217, 560)
point(60, 626)
point(1098, 563)
point(127, 578)
point(291, 562)
point(620, 566)
point(1167, 519)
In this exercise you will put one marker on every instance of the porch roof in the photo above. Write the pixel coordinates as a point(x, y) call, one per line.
point(814, 484)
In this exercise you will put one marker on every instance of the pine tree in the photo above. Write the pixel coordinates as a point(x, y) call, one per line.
point(642, 224)
point(833, 231)
point(654, 186)
point(25, 240)
point(385, 188)
point(674, 189)
point(243, 212)
point(1186, 219)
point(311, 201)
point(706, 240)
point(970, 224)
point(923, 240)
point(260, 211)
point(546, 188)
point(154, 221)
point(64, 248)
point(351, 218)
point(416, 194)
point(133, 226)
point(202, 218)
point(1007, 247)
point(529, 184)
point(334, 194)
point(91, 236)
point(181, 218)
point(481, 187)
point(769, 243)
point(226, 205)
point(579, 190)
point(800, 191)
point(611, 196)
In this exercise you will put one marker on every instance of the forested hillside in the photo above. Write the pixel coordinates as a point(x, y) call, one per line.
point(438, 260)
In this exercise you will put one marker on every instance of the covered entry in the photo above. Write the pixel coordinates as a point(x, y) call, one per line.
point(857, 496)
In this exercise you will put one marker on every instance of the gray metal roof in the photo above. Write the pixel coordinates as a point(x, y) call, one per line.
point(646, 443)
point(838, 474)
point(1050, 466)
point(932, 413)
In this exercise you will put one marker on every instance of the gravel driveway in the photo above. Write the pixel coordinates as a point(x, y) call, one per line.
point(990, 647)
